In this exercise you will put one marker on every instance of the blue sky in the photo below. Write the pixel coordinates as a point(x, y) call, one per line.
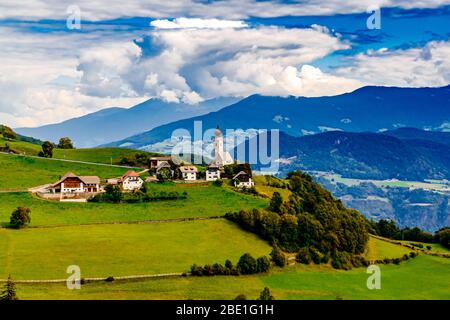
point(186, 50)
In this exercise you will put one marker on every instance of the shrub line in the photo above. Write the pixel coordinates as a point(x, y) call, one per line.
point(98, 279)
point(123, 222)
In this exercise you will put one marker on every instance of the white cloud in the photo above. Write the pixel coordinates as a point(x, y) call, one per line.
point(192, 23)
point(230, 9)
point(415, 67)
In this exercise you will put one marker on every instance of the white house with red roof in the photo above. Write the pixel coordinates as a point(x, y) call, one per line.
point(130, 181)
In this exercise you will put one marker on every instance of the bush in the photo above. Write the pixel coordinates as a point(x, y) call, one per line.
point(218, 183)
point(247, 264)
point(278, 257)
point(412, 254)
point(265, 295)
point(262, 264)
point(241, 297)
point(20, 217)
point(109, 279)
point(342, 260)
point(303, 256)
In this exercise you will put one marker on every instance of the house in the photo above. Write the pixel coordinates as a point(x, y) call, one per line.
point(71, 183)
point(212, 172)
point(130, 181)
point(188, 173)
point(243, 180)
point(164, 165)
point(112, 181)
point(156, 161)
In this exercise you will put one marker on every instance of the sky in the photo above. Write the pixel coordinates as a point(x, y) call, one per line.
point(64, 59)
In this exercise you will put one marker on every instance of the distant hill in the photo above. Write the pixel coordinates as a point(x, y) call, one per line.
point(117, 123)
point(20, 137)
point(364, 155)
point(414, 134)
point(366, 109)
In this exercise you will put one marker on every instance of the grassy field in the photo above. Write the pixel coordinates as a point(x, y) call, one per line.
point(424, 277)
point(379, 249)
point(98, 155)
point(264, 189)
point(202, 201)
point(435, 247)
point(115, 250)
point(24, 172)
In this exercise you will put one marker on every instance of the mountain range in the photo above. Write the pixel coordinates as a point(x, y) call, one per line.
point(112, 124)
point(416, 155)
point(372, 109)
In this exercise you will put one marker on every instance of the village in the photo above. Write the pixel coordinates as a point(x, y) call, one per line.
point(75, 188)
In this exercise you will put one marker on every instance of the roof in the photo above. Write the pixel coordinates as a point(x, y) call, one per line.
point(151, 179)
point(160, 158)
point(129, 173)
point(213, 166)
point(242, 176)
point(90, 179)
point(187, 169)
point(84, 179)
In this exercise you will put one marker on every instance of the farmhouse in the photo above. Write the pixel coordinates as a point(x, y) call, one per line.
point(71, 183)
point(130, 181)
point(243, 180)
point(156, 161)
point(166, 166)
point(189, 173)
point(212, 172)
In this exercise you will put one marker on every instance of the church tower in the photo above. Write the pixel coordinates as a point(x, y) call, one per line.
point(218, 148)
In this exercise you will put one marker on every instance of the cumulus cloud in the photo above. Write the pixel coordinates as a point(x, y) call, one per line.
point(198, 62)
point(415, 67)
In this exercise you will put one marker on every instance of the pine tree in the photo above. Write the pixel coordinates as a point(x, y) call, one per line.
point(266, 295)
point(9, 292)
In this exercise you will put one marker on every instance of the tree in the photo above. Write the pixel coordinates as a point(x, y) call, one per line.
point(20, 217)
point(276, 202)
point(8, 133)
point(265, 295)
point(164, 174)
point(262, 264)
point(247, 264)
point(113, 193)
point(278, 257)
point(9, 292)
point(47, 150)
point(65, 143)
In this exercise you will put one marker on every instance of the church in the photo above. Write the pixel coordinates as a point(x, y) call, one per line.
point(221, 158)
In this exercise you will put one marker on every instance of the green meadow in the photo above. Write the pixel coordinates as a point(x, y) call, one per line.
point(98, 155)
point(128, 239)
point(20, 172)
point(202, 201)
point(424, 277)
point(119, 250)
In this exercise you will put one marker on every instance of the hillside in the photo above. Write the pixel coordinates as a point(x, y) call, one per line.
point(366, 155)
point(418, 134)
point(97, 155)
point(366, 109)
point(117, 123)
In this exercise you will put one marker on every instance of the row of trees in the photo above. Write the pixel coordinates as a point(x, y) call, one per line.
point(48, 146)
point(389, 229)
point(246, 265)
